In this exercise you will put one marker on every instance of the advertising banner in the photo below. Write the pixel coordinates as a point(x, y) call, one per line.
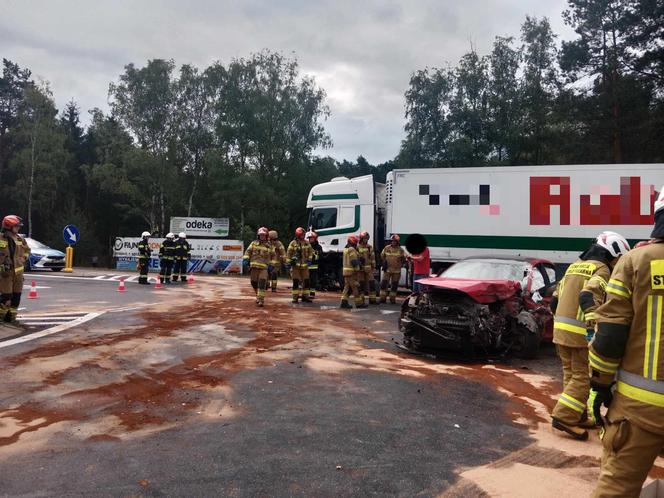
point(207, 255)
point(200, 227)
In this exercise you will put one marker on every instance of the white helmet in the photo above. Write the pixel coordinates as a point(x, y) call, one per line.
point(182, 235)
point(659, 202)
point(146, 234)
point(170, 235)
point(613, 242)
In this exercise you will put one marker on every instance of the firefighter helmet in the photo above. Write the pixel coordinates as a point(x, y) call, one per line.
point(11, 221)
point(659, 202)
point(262, 231)
point(145, 234)
point(613, 242)
point(182, 235)
point(273, 234)
point(312, 235)
point(396, 237)
point(352, 239)
point(170, 235)
point(299, 232)
point(364, 235)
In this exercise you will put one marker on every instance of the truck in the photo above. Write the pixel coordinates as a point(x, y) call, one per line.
point(550, 212)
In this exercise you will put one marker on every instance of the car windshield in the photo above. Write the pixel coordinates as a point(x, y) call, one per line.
point(34, 244)
point(488, 269)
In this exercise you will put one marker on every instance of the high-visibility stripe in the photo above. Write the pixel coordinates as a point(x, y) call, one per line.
point(639, 394)
point(590, 315)
point(653, 336)
point(572, 403)
point(599, 279)
point(617, 287)
point(18, 269)
point(256, 264)
point(570, 325)
point(602, 365)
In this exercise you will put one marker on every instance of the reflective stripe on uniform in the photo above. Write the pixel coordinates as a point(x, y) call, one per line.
point(256, 264)
point(641, 389)
point(602, 365)
point(590, 315)
point(572, 403)
point(599, 279)
point(618, 288)
point(570, 325)
point(18, 269)
point(653, 336)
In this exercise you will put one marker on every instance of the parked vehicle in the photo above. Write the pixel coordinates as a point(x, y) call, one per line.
point(42, 257)
point(481, 307)
point(550, 212)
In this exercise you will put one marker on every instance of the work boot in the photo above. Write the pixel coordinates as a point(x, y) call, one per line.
point(362, 306)
point(373, 301)
point(274, 289)
point(383, 300)
point(577, 433)
point(345, 305)
point(259, 302)
point(306, 299)
point(294, 300)
point(393, 300)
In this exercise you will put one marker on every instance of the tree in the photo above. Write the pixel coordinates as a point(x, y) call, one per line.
point(13, 84)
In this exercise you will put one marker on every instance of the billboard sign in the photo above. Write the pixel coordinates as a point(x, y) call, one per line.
point(200, 227)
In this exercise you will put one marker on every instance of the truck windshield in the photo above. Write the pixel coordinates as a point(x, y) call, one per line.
point(323, 218)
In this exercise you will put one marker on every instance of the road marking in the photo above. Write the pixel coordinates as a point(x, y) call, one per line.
point(99, 278)
point(51, 331)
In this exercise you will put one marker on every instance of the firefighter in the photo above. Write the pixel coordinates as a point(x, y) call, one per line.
point(352, 267)
point(392, 259)
point(14, 251)
point(166, 256)
point(577, 296)
point(299, 256)
point(312, 237)
point(144, 253)
point(366, 276)
point(182, 257)
point(627, 350)
point(260, 257)
point(280, 259)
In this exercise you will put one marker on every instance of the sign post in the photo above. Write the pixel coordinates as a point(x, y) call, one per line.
point(71, 235)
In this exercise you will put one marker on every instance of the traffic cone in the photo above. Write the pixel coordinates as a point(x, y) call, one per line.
point(33, 291)
point(158, 284)
point(121, 285)
point(190, 278)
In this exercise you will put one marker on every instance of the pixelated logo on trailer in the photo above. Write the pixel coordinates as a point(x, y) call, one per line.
point(482, 198)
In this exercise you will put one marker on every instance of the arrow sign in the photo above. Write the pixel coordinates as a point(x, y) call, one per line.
point(71, 234)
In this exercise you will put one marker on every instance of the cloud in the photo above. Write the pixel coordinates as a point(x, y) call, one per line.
point(361, 53)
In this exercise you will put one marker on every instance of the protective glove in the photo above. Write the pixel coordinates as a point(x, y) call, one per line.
point(270, 268)
point(245, 263)
point(600, 394)
point(309, 262)
point(293, 261)
point(590, 333)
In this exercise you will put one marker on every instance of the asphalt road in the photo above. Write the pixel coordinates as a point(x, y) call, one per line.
point(194, 391)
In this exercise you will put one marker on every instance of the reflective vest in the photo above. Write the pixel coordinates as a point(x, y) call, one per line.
point(351, 261)
point(394, 257)
point(367, 255)
point(260, 254)
point(299, 253)
point(569, 324)
point(14, 251)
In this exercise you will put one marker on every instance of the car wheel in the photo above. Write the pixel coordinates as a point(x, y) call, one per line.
point(530, 342)
point(56, 269)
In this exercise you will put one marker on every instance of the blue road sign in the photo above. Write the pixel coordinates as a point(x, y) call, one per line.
point(71, 234)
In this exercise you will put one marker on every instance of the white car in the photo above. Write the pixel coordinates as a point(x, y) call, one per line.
point(43, 257)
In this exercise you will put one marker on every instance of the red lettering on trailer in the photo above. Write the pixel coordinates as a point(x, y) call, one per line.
point(547, 191)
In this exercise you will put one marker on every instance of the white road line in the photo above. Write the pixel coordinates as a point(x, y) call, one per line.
point(100, 277)
point(33, 318)
point(51, 331)
point(106, 279)
point(39, 324)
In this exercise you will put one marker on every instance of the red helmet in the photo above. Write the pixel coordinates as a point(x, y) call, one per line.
point(262, 231)
point(364, 235)
point(352, 239)
point(11, 221)
point(395, 237)
point(312, 235)
point(299, 232)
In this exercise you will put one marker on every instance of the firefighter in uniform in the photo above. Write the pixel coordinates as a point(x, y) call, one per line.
point(14, 251)
point(144, 253)
point(628, 349)
point(166, 257)
point(577, 296)
point(260, 258)
point(392, 259)
point(299, 256)
point(352, 267)
point(280, 256)
point(312, 237)
point(368, 260)
point(182, 257)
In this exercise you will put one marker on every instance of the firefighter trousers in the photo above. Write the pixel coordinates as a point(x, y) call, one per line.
point(367, 286)
point(628, 455)
point(576, 384)
point(313, 281)
point(351, 284)
point(300, 283)
point(180, 269)
point(273, 277)
point(143, 268)
point(390, 281)
point(166, 270)
point(258, 278)
point(11, 287)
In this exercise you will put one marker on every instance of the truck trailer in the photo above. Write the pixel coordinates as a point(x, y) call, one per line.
point(550, 212)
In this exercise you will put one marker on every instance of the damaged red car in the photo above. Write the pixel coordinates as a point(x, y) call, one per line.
point(482, 307)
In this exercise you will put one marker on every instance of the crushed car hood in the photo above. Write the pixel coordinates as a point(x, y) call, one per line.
point(482, 291)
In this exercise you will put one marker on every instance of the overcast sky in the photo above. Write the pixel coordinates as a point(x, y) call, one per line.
point(361, 52)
